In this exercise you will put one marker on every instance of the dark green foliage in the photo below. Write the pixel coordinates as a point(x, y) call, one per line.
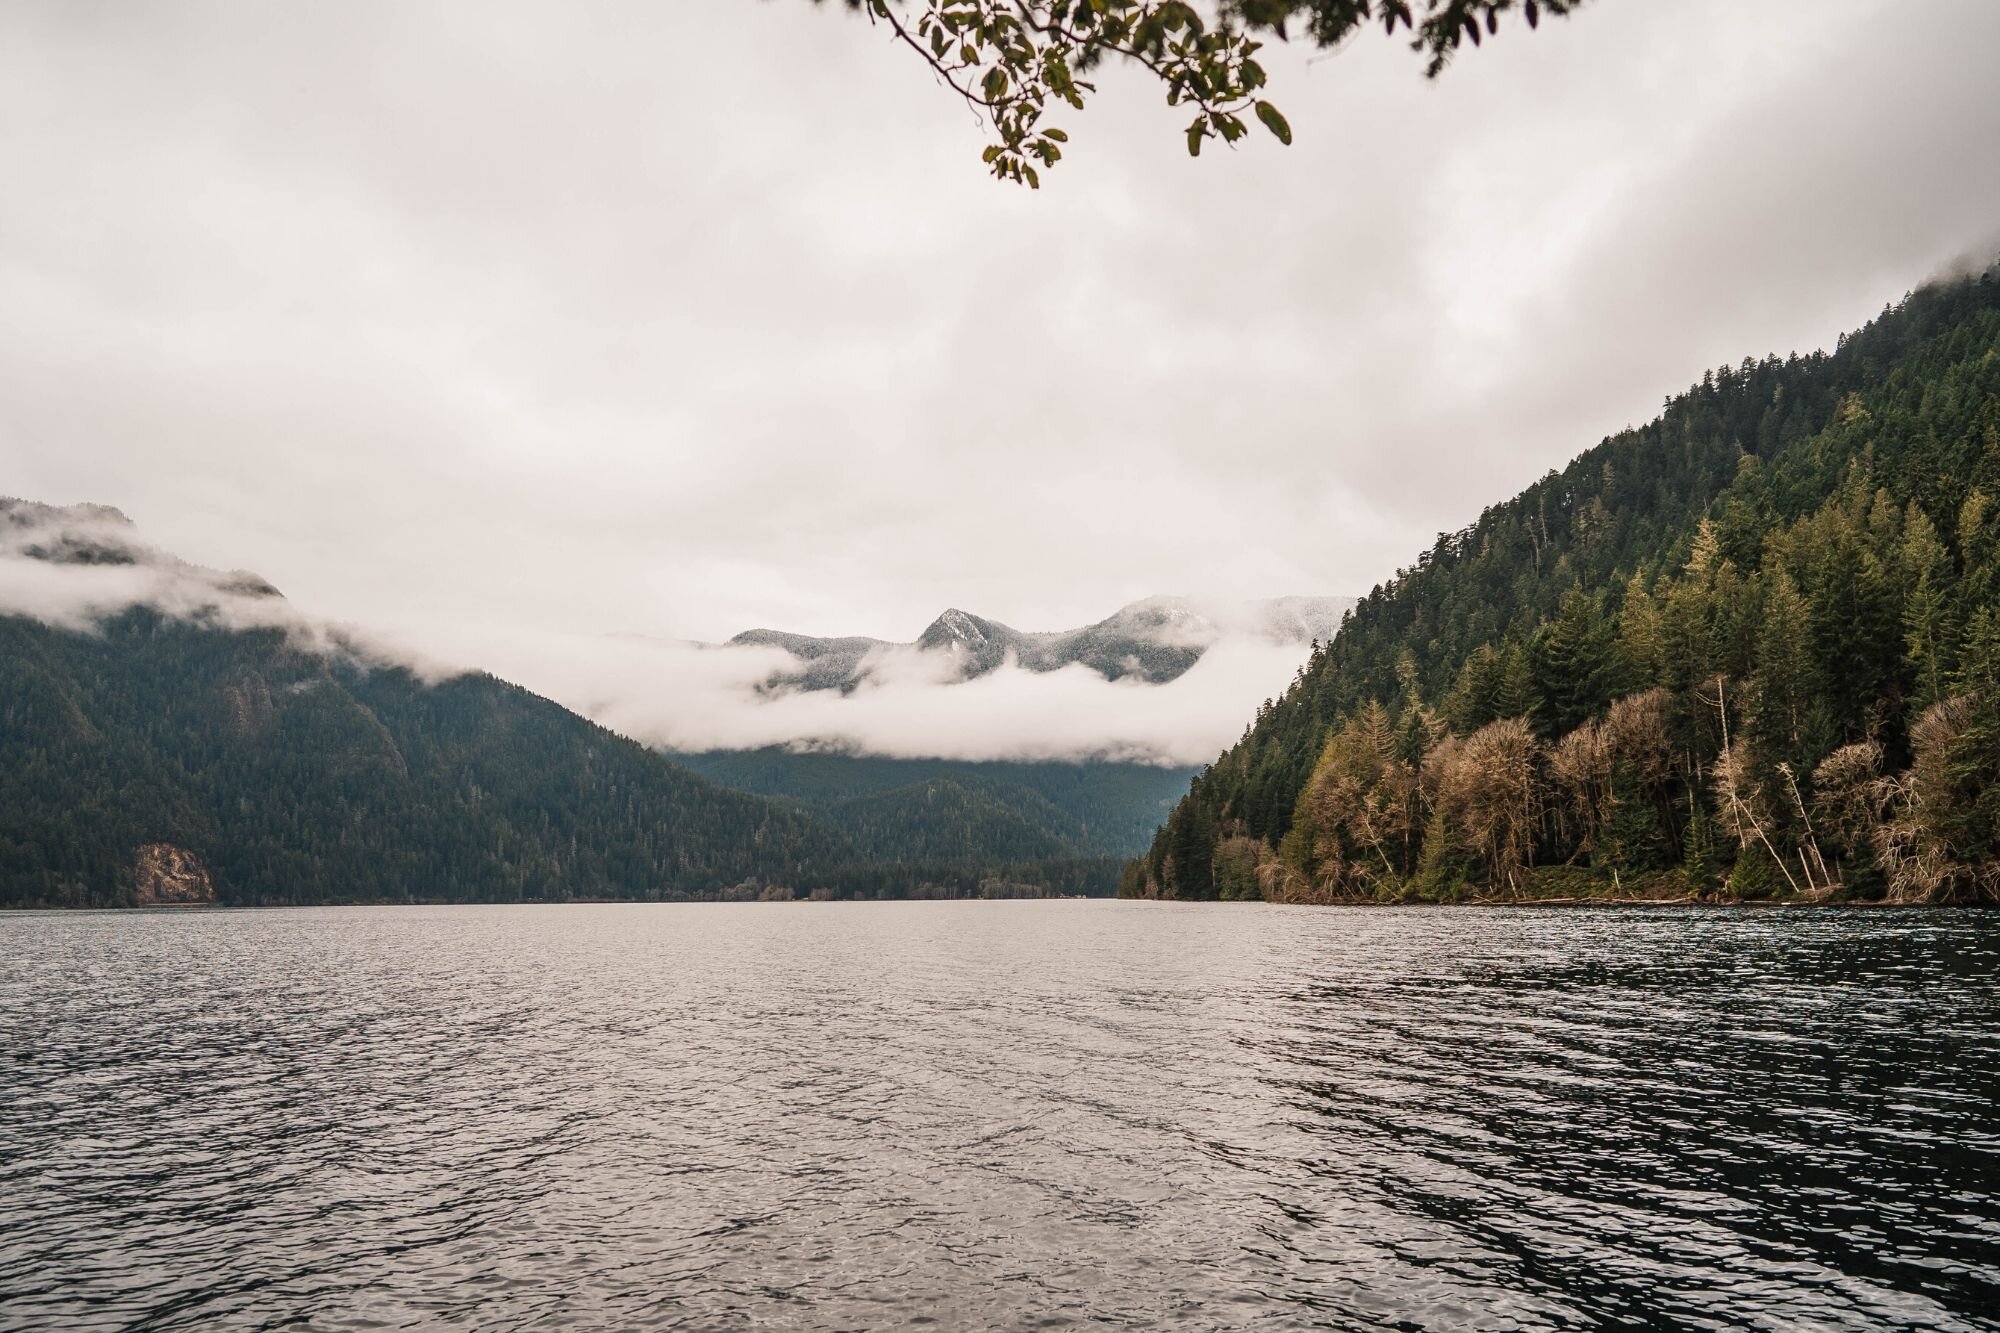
point(1235, 871)
point(1753, 876)
point(1634, 840)
point(960, 809)
point(1445, 863)
point(1974, 758)
point(949, 820)
point(1072, 877)
point(1571, 662)
point(1806, 550)
point(1700, 855)
point(299, 778)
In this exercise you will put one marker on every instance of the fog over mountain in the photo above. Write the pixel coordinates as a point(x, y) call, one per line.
point(1151, 641)
point(1165, 681)
point(71, 566)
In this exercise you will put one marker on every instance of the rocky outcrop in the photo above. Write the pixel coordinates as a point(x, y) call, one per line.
point(170, 876)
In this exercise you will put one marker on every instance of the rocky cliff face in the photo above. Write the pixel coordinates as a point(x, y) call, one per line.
point(170, 876)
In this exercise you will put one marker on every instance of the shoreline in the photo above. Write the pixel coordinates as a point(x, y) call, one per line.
point(1572, 902)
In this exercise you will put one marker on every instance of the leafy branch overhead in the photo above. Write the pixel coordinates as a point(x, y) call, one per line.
point(1014, 61)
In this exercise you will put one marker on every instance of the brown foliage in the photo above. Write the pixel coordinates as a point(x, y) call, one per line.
point(1487, 786)
point(1914, 841)
point(1358, 816)
point(1849, 796)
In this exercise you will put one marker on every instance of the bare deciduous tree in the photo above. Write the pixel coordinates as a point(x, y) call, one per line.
point(1489, 788)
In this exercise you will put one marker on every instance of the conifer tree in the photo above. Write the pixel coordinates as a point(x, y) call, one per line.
point(1571, 664)
point(1930, 631)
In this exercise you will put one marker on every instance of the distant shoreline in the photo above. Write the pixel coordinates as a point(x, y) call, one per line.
point(1723, 904)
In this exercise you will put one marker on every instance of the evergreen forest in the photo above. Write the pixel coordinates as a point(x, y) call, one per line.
point(291, 775)
point(1750, 650)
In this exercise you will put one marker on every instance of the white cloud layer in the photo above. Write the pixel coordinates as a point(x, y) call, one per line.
point(689, 697)
point(686, 696)
point(111, 571)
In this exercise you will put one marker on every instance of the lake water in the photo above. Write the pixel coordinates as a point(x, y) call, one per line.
point(999, 1115)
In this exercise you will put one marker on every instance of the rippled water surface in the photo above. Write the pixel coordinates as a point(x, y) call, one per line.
point(1009, 1115)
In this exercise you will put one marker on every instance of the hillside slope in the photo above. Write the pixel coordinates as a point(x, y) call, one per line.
point(1749, 648)
point(999, 807)
point(292, 776)
point(176, 734)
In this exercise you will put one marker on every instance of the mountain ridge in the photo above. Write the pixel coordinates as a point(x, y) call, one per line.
point(1154, 640)
point(174, 734)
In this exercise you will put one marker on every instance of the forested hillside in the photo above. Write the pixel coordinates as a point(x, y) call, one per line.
point(896, 809)
point(293, 776)
point(176, 734)
point(160, 760)
point(1752, 648)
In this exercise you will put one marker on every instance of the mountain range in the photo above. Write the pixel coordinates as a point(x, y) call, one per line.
point(170, 732)
point(941, 808)
point(1750, 649)
point(1155, 641)
point(177, 733)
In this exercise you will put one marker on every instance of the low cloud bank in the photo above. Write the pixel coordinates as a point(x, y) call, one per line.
point(691, 697)
point(73, 568)
point(77, 566)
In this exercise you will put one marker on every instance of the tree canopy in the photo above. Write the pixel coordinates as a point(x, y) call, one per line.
point(1015, 61)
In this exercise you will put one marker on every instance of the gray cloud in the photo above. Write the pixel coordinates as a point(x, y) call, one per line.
point(553, 320)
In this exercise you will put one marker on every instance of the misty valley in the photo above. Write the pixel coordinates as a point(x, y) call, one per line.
point(1750, 652)
point(180, 735)
point(1202, 666)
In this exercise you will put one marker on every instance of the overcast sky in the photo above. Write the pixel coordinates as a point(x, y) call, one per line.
point(678, 318)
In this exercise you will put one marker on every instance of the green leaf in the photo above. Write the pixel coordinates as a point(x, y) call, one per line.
point(1274, 122)
point(1195, 133)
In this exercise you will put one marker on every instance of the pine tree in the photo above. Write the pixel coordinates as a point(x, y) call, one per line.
point(1641, 638)
point(1473, 701)
point(1700, 854)
point(1929, 617)
point(1853, 624)
point(1974, 760)
point(1570, 660)
point(1788, 678)
point(1633, 840)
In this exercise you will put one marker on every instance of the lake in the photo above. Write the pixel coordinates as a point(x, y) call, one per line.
point(1005, 1115)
